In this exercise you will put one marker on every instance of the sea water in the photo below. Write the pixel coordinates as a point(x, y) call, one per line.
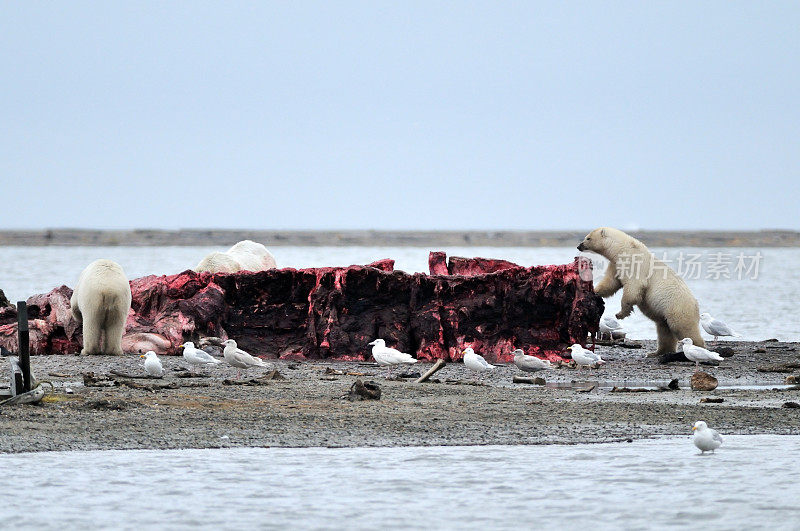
point(749, 483)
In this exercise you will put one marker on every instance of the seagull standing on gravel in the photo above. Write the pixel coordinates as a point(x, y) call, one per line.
point(194, 356)
point(706, 439)
point(389, 357)
point(715, 327)
point(585, 357)
point(476, 362)
point(698, 354)
point(152, 364)
point(236, 357)
point(609, 325)
point(529, 363)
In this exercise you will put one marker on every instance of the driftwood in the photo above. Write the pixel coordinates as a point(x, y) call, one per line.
point(131, 376)
point(91, 379)
point(363, 391)
point(465, 382)
point(784, 367)
point(155, 386)
point(262, 380)
point(534, 380)
point(440, 363)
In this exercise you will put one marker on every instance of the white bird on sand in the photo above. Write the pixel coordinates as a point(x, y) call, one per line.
point(585, 357)
point(389, 357)
point(238, 358)
point(609, 325)
point(706, 439)
point(195, 356)
point(476, 362)
point(529, 363)
point(698, 354)
point(715, 327)
point(152, 364)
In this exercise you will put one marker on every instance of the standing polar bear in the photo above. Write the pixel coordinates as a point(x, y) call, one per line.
point(246, 255)
point(648, 283)
point(101, 300)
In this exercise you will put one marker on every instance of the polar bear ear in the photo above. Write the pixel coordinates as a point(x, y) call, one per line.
point(602, 233)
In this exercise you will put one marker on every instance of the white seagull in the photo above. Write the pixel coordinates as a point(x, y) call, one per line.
point(698, 354)
point(238, 358)
point(195, 356)
point(476, 362)
point(585, 357)
point(715, 327)
point(529, 363)
point(609, 325)
point(389, 357)
point(152, 364)
point(706, 439)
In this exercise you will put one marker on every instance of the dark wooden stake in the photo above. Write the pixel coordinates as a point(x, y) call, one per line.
point(23, 340)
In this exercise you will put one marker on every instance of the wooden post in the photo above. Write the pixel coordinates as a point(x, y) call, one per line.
point(436, 366)
point(23, 342)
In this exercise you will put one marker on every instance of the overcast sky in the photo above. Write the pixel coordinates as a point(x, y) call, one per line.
point(429, 115)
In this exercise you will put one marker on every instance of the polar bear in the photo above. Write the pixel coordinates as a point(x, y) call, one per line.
point(648, 283)
point(253, 256)
point(101, 300)
point(217, 262)
point(244, 256)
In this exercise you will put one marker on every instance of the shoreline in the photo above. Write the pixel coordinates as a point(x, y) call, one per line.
point(304, 410)
point(367, 238)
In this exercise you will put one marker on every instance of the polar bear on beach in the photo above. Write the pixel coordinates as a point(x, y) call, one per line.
point(648, 283)
point(244, 256)
point(101, 300)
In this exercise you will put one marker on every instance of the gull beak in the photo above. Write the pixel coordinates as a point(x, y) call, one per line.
point(569, 348)
point(180, 346)
point(142, 356)
point(694, 428)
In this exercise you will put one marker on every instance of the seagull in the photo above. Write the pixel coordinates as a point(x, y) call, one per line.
point(585, 357)
point(152, 364)
point(389, 357)
point(715, 327)
point(196, 356)
point(706, 439)
point(529, 363)
point(698, 354)
point(609, 325)
point(476, 362)
point(238, 358)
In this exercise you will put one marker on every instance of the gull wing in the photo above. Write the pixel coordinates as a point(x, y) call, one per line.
point(719, 328)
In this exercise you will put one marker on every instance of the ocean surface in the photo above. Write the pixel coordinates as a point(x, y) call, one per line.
point(749, 483)
point(754, 290)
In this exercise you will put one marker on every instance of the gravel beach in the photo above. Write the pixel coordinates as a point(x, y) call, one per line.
point(457, 408)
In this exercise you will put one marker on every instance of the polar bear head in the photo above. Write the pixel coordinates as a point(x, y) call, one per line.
point(594, 241)
point(604, 241)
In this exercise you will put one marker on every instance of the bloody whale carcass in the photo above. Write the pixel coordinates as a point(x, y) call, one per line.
point(491, 305)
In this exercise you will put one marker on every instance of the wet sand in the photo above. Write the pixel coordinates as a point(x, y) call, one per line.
point(462, 409)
